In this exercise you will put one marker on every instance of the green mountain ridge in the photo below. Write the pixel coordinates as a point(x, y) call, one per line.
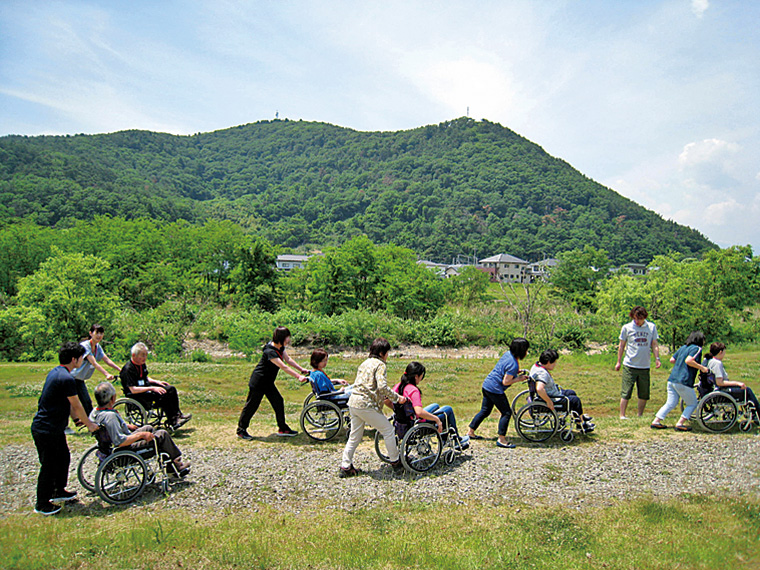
point(462, 186)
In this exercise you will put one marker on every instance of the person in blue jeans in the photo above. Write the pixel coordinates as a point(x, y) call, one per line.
point(505, 373)
point(686, 362)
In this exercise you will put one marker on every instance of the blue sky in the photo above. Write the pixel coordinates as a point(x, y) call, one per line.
point(657, 99)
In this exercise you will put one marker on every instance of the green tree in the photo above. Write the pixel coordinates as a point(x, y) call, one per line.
point(469, 287)
point(60, 301)
point(254, 276)
point(579, 274)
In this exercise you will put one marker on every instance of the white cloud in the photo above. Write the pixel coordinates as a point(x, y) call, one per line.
point(719, 213)
point(699, 7)
point(709, 150)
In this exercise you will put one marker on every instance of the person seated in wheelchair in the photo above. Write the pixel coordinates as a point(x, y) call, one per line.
point(551, 393)
point(738, 390)
point(126, 436)
point(322, 384)
point(406, 414)
point(147, 391)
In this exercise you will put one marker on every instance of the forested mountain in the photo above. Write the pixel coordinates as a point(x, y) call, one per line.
point(462, 186)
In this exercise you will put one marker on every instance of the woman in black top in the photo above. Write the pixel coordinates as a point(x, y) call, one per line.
point(262, 380)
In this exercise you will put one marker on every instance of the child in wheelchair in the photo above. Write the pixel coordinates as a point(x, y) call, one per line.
point(321, 383)
point(548, 390)
point(406, 414)
point(126, 436)
point(739, 390)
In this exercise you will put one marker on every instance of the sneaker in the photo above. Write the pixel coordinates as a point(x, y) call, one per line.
point(350, 471)
point(181, 420)
point(69, 431)
point(587, 418)
point(587, 427)
point(287, 433)
point(64, 497)
point(508, 445)
point(464, 442)
point(245, 435)
point(397, 465)
point(47, 509)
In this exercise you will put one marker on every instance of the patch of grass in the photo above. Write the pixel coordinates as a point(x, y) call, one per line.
point(642, 534)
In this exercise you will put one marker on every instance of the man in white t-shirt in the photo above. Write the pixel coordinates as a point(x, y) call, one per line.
point(638, 340)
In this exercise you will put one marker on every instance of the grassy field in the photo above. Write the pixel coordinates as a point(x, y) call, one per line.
point(693, 531)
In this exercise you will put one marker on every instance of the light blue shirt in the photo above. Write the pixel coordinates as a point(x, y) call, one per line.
point(85, 371)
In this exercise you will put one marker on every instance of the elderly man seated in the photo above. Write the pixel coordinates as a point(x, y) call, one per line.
point(124, 435)
point(139, 386)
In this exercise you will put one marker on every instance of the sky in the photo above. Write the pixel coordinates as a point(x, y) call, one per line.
point(658, 100)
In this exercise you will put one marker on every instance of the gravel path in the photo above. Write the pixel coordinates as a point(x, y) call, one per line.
point(295, 478)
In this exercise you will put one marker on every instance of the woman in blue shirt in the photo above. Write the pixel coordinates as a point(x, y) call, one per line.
point(322, 382)
point(505, 373)
point(686, 362)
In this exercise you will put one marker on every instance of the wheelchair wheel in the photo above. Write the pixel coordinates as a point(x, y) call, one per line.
point(535, 422)
point(321, 420)
point(566, 435)
point(308, 399)
point(448, 456)
point(121, 478)
point(380, 449)
point(745, 425)
point(717, 412)
point(132, 411)
point(88, 467)
point(421, 447)
point(520, 400)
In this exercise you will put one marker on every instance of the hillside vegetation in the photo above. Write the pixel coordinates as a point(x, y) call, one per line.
point(458, 187)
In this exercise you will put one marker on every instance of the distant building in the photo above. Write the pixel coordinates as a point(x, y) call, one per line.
point(636, 268)
point(541, 270)
point(508, 268)
point(288, 261)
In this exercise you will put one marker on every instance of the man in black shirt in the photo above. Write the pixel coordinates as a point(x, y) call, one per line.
point(58, 400)
point(139, 386)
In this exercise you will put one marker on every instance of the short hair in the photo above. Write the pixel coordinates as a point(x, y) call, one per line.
point(519, 348)
point(696, 337)
point(104, 392)
point(548, 356)
point(280, 334)
point(379, 347)
point(96, 327)
point(638, 311)
point(69, 352)
point(317, 356)
point(139, 348)
point(716, 348)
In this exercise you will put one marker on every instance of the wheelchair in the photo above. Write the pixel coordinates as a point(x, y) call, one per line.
point(536, 423)
point(137, 413)
point(323, 416)
point(119, 476)
point(718, 411)
point(420, 445)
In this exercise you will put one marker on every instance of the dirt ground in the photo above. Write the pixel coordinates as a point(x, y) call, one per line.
point(217, 350)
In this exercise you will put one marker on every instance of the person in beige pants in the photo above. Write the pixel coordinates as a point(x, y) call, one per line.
point(365, 406)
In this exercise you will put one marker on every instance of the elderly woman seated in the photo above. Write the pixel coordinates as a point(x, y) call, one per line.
point(124, 435)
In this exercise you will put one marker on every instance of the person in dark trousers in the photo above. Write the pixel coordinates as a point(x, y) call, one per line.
point(262, 380)
point(505, 373)
point(139, 386)
point(57, 402)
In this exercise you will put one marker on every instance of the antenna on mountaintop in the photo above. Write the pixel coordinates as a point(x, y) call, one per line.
point(468, 111)
point(276, 114)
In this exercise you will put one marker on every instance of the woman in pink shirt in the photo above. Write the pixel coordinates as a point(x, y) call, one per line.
point(412, 410)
